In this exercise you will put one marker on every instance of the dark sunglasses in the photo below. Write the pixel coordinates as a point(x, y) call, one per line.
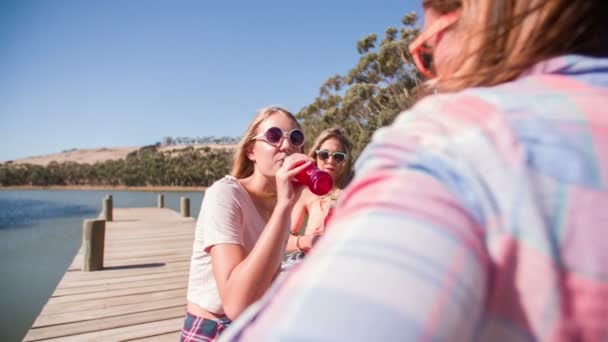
point(338, 156)
point(275, 135)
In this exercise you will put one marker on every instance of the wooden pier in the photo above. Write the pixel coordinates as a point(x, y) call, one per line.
point(141, 292)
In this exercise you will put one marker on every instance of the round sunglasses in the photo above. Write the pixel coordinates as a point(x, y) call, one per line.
point(338, 157)
point(275, 135)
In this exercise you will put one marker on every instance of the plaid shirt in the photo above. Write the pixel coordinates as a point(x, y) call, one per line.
point(480, 215)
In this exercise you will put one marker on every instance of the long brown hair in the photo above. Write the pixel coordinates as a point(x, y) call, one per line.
point(504, 38)
point(336, 133)
point(242, 166)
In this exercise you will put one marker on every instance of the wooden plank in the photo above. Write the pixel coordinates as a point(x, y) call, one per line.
point(128, 261)
point(128, 333)
point(69, 317)
point(172, 241)
point(109, 287)
point(117, 293)
point(171, 238)
point(124, 278)
point(92, 304)
point(148, 249)
point(132, 273)
point(140, 294)
point(105, 323)
point(112, 262)
point(172, 234)
point(111, 273)
point(160, 254)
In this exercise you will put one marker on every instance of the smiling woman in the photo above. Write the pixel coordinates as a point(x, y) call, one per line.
point(331, 151)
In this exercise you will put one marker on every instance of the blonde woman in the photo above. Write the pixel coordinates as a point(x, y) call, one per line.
point(244, 224)
point(480, 213)
point(331, 152)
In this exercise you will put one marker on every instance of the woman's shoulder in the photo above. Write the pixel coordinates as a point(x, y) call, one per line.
point(441, 131)
point(226, 185)
point(226, 193)
point(447, 120)
point(461, 108)
point(482, 107)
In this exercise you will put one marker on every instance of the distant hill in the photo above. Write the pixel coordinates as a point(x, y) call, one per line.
point(91, 156)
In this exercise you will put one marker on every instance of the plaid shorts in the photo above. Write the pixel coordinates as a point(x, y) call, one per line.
point(199, 329)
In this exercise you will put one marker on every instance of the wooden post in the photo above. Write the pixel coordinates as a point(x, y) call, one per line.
point(93, 241)
point(161, 201)
point(107, 208)
point(185, 206)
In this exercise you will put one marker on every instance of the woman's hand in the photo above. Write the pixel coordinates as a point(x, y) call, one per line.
point(288, 190)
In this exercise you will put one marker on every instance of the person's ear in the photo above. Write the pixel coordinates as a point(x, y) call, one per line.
point(249, 152)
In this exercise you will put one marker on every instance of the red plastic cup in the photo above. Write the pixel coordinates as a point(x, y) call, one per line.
point(319, 182)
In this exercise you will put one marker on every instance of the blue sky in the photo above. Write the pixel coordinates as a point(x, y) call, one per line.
point(88, 74)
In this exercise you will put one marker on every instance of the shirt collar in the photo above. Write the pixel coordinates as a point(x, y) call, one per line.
point(592, 70)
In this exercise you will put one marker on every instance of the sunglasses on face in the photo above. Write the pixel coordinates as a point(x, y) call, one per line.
point(420, 50)
point(338, 157)
point(274, 136)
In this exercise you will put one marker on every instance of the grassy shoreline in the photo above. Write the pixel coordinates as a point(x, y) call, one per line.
point(107, 187)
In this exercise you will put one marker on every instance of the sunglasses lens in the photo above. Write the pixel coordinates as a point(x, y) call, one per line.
point(274, 135)
point(339, 157)
point(296, 138)
point(323, 155)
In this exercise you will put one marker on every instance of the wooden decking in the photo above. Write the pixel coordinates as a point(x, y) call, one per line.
point(140, 294)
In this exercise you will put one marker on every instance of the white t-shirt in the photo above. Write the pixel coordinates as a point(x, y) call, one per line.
point(227, 215)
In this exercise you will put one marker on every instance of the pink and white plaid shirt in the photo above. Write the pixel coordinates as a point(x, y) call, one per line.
point(480, 215)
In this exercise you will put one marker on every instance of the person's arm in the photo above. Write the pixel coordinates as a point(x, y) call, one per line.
point(241, 279)
point(301, 242)
point(405, 259)
point(297, 220)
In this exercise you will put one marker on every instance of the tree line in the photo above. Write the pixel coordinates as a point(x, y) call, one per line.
point(168, 141)
point(144, 167)
point(373, 92)
point(369, 96)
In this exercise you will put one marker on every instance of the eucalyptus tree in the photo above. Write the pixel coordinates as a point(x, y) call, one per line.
point(373, 92)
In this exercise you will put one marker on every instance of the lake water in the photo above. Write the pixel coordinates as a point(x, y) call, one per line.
point(40, 233)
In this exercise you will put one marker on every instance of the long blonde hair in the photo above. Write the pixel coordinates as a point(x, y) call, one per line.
point(242, 166)
point(503, 38)
point(336, 133)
